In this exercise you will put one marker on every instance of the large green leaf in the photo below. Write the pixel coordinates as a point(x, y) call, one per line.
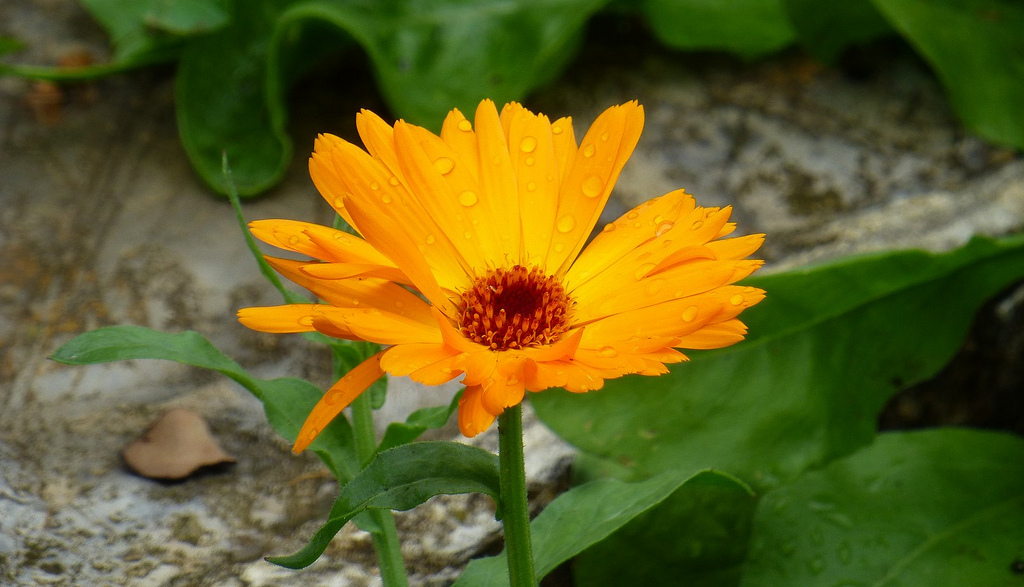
point(827, 348)
point(977, 49)
point(286, 401)
point(697, 537)
point(826, 28)
point(938, 507)
point(401, 479)
point(587, 514)
point(749, 28)
point(428, 58)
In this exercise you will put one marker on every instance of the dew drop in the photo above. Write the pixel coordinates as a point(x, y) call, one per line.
point(653, 287)
point(465, 125)
point(592, 186)
point(333, 398)
point(637, 225)
point(736, 300)
point(530, 160)
point(513, 380)
point(643, 270)
point(468, 198)
point(305, 320)
point(293, 239)
point(393, 180)
point(633, 215)
point(589, 150)
point(444, 165)
point(386, 198)
point(430, 239)
point(698, 224)
point(657, 219)
point(609, 227)
point(528, 144)
point(374, 186)
point(559, 247)
point(339, 203)
point(556, 130)
point(468, 234)
point(566, 223)
point(342, 238)
point(605, 136)
point(689, 314)
point(531, 187)
point(607, 352)
point(663, 228)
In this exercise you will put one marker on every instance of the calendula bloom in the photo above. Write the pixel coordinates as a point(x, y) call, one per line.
point(472, 261)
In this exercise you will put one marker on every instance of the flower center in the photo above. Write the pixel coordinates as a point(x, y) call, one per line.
point(514, 308)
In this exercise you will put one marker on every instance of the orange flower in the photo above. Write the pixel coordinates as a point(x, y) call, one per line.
point(470, 261)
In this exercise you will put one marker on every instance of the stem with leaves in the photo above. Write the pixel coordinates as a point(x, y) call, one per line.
point(514, 507)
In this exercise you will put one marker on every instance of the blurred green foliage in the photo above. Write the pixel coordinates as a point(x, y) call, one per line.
point(237, 59)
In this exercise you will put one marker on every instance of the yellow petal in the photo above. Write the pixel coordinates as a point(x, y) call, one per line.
point(506, 387)
point(383, 327)
point(564, 139)
point(404, 359)
point(532, 152)
point(714, 336)
point(457, 131)
point(355, 293)
point(280, 319)
point(473, 418)
point(497, 183)
point(320, 242)
point(337, 398)
point(326, 177)
point(590, 179)
point(570, 375)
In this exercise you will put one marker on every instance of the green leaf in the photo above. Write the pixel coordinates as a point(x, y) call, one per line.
point(697, 537)
point(418, 422)
point(401, 479)
point(587, 514)
point(826, 350)
point(187, 17)
point(749, 28)
point(228, 101)
point(286, 401)
point(826, 28)
point(427, 58)
point(936, 507)
point(10, 45)
point(977, 50)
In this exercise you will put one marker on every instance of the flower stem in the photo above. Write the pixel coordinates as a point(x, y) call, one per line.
point(385, 542)
point(514, 508)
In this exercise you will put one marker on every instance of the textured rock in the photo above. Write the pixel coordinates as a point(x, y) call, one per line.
point(103, 222)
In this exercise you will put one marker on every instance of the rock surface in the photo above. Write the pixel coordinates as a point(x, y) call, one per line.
point(103, 222)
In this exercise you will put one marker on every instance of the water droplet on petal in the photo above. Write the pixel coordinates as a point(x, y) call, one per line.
point(643, 270)
point(530, 160)
point(339, 203)
point(468, 198)
point(566, 223)
point(663, 228)
point(393, 180)
point(589, 150)
point(689, 314)
point(333, 398)
point(528, 144)
point(592, 186)
point(305, 320)
point(609, 227)
point(430, 239)
point(736, 300)
point(293, 239)
point(605, 136)
point(607, 352)
point(386, 198)
point(531, 187)
point(698, 224)
point(465, 125)
point(468, 234)
point(374, 186)
point(556, 130)
point(444, 165)
point(632, 215)
point(559, 247)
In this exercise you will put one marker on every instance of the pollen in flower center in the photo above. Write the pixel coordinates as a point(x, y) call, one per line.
point(514, 308)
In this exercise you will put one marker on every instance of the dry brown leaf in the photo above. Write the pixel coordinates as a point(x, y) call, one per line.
point(177, 445)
